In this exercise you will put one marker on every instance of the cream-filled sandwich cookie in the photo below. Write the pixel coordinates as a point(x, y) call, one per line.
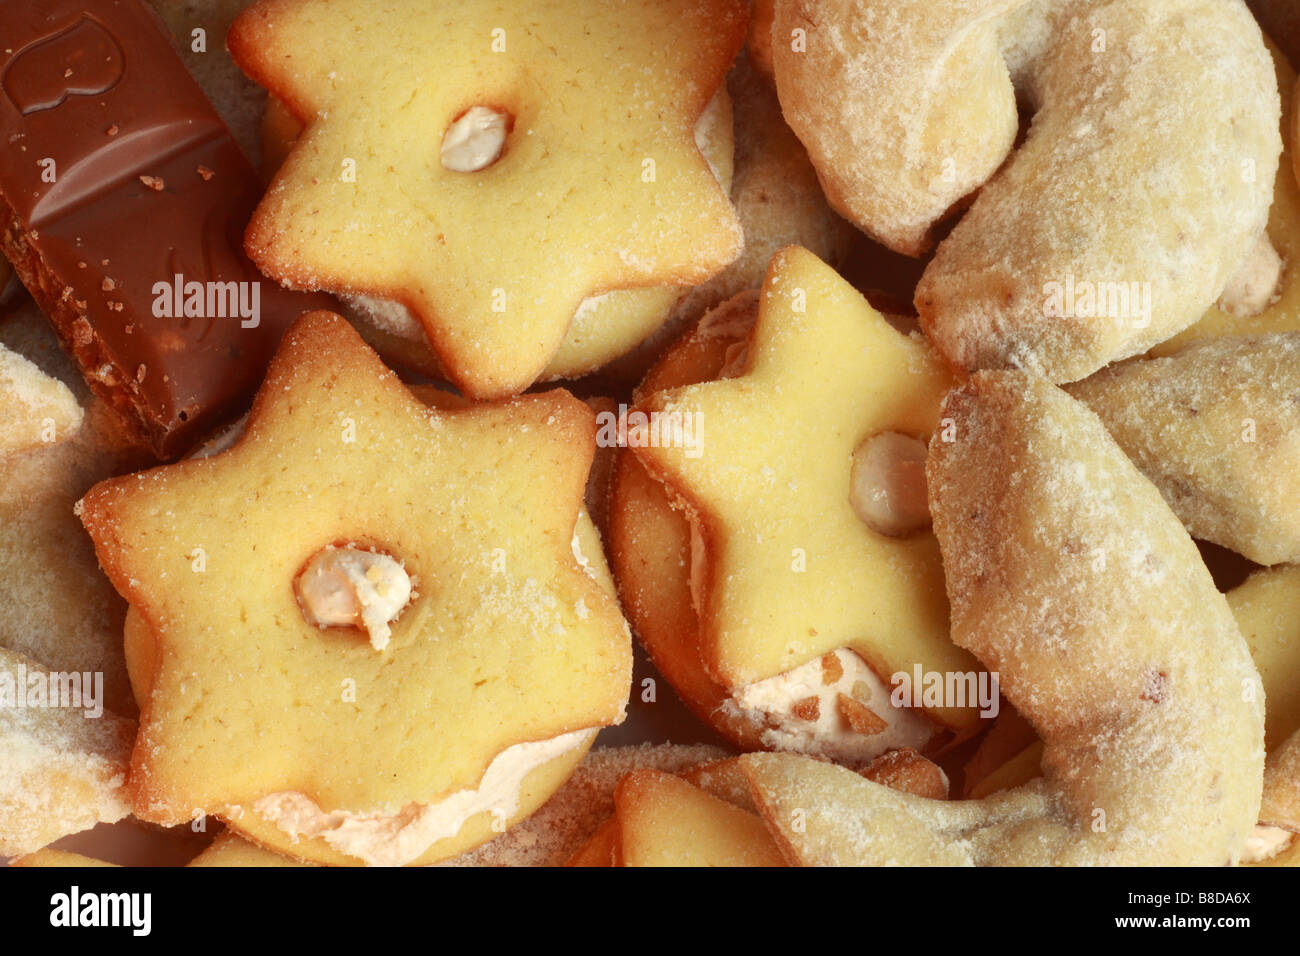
point(505, 636)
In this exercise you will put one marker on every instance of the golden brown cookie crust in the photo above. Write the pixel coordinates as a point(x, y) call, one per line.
point(323, 382)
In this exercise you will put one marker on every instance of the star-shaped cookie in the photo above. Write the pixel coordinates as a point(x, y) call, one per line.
point(507, 639)
point(599, 185)
point(792, 572)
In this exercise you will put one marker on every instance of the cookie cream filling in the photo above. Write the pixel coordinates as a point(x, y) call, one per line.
point(396, 839)
point(834, 706)
point(1266, 842)
point(351, 587)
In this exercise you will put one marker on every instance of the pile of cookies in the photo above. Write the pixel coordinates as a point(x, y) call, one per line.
point(649, 432)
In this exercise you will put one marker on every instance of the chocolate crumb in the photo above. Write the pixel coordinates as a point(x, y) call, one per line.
point(205, 173)
point(82, 334)
point(153, 182)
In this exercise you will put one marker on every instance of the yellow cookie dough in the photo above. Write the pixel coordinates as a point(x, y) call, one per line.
point(598, 186)
point(604, 326)
point(228, 850)
point(665, 821)
point(508, 640)
point(1267, 609)
point(769, 489)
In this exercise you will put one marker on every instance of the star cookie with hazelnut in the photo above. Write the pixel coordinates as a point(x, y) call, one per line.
point(447, 164)
point(272, 705)
point(795, 572)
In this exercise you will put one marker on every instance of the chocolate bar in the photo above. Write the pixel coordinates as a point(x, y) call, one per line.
point(123, 200)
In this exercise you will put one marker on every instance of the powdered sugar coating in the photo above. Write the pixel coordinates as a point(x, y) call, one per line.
point(1149, 163)
point(1217, 428)
point(1148, 172)
point(63, 772)
point(1069, 576)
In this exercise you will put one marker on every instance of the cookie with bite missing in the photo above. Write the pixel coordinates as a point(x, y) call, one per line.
point(373, 641)
point(719, 583)
point(438, 166)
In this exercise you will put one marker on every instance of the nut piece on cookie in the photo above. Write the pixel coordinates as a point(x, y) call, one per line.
point(1216, 427)
point(907, 771)
point(354, 587)
point(366, 204)
point(65, 757)
point(495, 677)
point(768, 495)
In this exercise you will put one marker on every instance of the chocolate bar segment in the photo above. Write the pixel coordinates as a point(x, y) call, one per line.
point(123, 201)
